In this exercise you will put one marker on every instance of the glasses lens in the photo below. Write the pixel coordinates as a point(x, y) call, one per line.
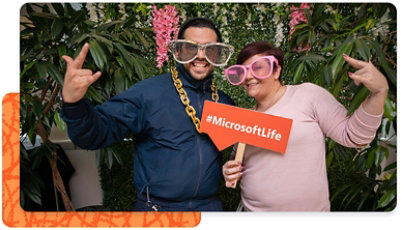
point(262, 67)
point(235, 74)
point(218, 54)
point(184, 51)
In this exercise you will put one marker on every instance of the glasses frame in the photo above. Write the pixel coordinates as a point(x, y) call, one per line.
point(199, 47)
point(271, 59)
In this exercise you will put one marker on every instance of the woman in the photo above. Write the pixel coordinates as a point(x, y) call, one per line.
point(297, 180)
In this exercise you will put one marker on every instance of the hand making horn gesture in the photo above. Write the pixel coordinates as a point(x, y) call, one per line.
point(77, 80)
point(375, 81)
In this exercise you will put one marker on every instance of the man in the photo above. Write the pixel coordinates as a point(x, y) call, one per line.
point(176, 168)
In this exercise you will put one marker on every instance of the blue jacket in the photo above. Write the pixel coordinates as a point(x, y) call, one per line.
point(171, 157)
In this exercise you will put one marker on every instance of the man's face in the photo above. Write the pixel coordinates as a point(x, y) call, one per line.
point(200, 68)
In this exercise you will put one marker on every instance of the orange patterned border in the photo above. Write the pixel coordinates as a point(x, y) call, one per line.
point(15, 216)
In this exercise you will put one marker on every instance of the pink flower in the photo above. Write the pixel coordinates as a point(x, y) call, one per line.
point(165, 25)
point(298, 15)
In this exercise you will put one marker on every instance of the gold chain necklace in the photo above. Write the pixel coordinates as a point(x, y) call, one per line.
point(190, 111)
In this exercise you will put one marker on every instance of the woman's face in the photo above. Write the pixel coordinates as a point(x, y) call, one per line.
point(259, 88)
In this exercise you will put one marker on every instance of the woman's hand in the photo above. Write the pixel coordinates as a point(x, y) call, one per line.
point(375, 81)
point(368, 75)
point(232, 171)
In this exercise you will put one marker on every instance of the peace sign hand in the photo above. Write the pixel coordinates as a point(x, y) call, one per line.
point(77, 80)
point(368, 75)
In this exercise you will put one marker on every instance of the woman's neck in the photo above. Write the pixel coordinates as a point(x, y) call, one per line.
point(271, 98)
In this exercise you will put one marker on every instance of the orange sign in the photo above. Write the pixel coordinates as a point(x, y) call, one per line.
point(227, 125)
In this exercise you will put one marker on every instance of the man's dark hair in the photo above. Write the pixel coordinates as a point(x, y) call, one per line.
point(199, 22)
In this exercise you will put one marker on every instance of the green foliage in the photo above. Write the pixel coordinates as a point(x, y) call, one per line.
point(229, 197)
point(361, 184)
point(117, 180)
point(122, 47)
point(53, 30)
point(31, 183)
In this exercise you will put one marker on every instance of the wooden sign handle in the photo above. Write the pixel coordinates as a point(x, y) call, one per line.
point(239, 156)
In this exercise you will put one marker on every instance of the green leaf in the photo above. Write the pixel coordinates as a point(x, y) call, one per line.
point(39, 154)
point(98, 55)
point(117, 156)
point(26, 68)
point(140, 67)
point(364, 198)
point(43, 15)
point(388, 197)
point(300, 26)
point(93, 94)
point(46, 69)
point(369, 24)
point(106, 26)
point(338, 85)
point(54, 73)
point(312, 57)
point(27, 86)
point(58, 8)
point(142, 39)
point(37, 108)
point(32, 135)
point(338, 62)
point(356, 29)
point(104, 41)
point(60, 124)
point(126, 58)
point(41, 69)
point(362, 49)
point(119, 81)
point(77, 39)
point(359, 97)
point(354, 192)
point(308, 16)
point(28, 30)
point(327, 76)
point(380, 155)
point(34, 196)
point(56, 27)
point(390, 73)
point(312, 37)
point(371, 158)
point(391, 166)
point(61, 50)
point(298, 73)
point(340, 190)
point(45, 121)
point(329, 159)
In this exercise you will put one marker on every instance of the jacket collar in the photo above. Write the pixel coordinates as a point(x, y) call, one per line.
point(190, 82)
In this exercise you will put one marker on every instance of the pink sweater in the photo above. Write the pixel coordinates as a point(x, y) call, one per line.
point(297, 180)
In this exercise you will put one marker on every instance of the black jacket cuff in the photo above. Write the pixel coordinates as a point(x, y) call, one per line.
point(75, 110)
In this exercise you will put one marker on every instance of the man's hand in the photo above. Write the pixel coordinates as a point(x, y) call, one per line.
point(77, 80)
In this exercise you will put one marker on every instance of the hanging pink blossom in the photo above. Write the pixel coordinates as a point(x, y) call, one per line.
point(298, 15)
point(165, 24)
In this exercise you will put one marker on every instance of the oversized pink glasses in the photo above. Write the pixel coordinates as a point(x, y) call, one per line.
point(261, 68)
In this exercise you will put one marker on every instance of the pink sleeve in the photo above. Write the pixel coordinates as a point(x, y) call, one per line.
point(356, 130)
